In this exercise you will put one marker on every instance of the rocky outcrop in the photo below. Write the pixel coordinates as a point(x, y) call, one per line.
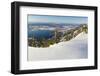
point(74, 32)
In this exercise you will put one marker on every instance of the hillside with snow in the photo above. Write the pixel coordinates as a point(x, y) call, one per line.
point(76, 48)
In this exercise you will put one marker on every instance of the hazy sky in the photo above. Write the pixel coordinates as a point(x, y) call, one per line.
point(56, 19)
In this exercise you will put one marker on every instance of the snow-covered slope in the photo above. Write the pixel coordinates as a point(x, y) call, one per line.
point(73, 49)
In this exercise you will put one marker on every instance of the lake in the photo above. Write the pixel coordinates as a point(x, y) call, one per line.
point(40, 34)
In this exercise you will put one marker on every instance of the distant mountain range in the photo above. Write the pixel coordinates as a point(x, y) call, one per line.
point(53, 24)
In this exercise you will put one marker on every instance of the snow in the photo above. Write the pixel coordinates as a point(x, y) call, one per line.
point(77, 48)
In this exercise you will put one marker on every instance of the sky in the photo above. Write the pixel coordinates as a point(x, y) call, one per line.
point(57, 19)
